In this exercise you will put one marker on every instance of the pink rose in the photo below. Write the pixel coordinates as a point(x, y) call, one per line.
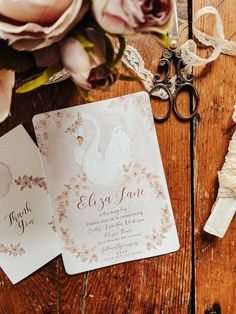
point(35, 24)
point(129, 17)
point(7, 81)
point(87, 67)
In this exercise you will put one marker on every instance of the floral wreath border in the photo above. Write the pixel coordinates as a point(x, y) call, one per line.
point(48, 119)
point(156, 238)
point(131, 171)
point(12, 250)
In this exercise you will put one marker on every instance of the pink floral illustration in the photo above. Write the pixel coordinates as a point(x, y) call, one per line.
point(71, 189)
point(155, 239)
point(121, 101)
point(141, 102)
point(28, 182)
point(137, 172)
point(84, 254)
point(42, 125)
point(41, 134)
point(12, 250)
point(75, 125)
point(53, 225)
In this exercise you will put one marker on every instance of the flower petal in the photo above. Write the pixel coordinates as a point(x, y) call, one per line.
point(35, 11)
point(128, 17)
point(7, 80)
point(32, 36)
point(110, 22)
point(76, 60)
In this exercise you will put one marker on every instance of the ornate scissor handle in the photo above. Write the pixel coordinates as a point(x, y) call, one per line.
point(181, 83)
point(181, 87)
point(164, 83)
point(184, 83)
point(170, 100)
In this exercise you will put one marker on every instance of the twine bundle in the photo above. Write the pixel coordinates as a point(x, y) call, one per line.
point(225, 205)
point(227, 176)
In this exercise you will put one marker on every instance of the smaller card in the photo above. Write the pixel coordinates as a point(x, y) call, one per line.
point(28, 238)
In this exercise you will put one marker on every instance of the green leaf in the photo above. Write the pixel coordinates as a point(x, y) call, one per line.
point(84, 41)
point(109, 51)
point(164, 38)
point(120, 53)
point(12, 59)
point(86, 94)
point(127, 78)
point(39, 81)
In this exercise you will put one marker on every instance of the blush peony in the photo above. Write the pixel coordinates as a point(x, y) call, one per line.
point(128, 17)
point(35, 24)
point(87, 67)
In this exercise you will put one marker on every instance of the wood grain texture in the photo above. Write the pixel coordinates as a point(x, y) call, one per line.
point(161, 284)
point(215, 258)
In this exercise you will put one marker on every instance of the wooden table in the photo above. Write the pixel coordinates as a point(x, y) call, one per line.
point(201, 275)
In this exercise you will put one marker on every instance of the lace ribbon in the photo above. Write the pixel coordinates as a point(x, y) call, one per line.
point(227, 176)
point(217, 41)
point(134, 61)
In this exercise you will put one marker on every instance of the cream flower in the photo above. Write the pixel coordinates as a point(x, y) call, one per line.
point(34, 24)
point(129, 17)
point(87, 67)
point(7, 81)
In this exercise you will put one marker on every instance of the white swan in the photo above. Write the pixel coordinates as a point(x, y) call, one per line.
point(102, 168)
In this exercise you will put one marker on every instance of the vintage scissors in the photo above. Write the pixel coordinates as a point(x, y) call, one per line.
point(173, 53)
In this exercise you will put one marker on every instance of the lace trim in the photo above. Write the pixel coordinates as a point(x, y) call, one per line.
point(217, 41)
point(134, 61)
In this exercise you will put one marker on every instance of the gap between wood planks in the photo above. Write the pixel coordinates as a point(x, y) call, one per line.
point(193, 127)
point(84, 294)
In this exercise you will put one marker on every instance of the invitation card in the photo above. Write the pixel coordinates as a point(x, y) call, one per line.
point(106, 182)
point(28, 238)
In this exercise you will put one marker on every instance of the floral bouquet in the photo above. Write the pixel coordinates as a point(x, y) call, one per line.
point(39, 38)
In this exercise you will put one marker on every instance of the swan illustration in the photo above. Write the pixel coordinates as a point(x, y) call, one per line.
point(102, 168)
point(5, 179)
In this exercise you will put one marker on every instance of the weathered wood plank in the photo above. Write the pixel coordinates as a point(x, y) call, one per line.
point(215, 258)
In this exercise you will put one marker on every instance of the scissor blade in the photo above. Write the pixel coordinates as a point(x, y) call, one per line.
point(174, 31)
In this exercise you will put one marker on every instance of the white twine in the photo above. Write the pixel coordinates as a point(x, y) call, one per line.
point(225, 206)
point(227, 176)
